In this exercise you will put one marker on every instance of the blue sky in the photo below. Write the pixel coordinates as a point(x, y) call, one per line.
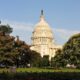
point(62, 15)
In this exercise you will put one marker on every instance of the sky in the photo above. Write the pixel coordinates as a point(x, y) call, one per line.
point(63, 16)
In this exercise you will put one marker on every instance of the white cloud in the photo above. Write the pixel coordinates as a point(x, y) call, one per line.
point(65, 32)
point(24, 30)
point(63, 35)
point(18, 25)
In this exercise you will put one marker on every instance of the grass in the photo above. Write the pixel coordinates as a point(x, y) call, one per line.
point(40, 70)
point(34, 70)
point(46, 70)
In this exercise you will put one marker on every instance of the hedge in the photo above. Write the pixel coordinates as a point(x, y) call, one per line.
point(40, 76)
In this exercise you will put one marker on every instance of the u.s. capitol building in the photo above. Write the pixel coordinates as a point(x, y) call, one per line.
point(42, 38)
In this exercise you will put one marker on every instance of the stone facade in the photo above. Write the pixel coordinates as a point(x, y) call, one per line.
point(42, 38)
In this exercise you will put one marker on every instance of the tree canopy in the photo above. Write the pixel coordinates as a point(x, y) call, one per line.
point(70, 54)
point(14, 52)
point(6, 29)
point(71, 50)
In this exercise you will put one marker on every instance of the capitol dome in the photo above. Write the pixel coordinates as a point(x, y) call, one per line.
point(42, 28)
point(42, 39)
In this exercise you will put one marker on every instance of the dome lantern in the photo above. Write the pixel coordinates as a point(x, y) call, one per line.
point(42, 15)
point(41, 12)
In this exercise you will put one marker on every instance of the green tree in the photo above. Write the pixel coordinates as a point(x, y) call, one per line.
point(70, 53)
point(35, 59)
point(6, 46)
point(56, 61)
point(45, 61)
point(23, 53)
point(71, 50)
point(14, 52)
point(26, 56)
point(6, 29)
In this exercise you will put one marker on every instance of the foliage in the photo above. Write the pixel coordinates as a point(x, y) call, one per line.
point(6, 46)
point(56, 60)
point(6, 29)
point(45, 61)
point(35, 59)
point(70, 54)
point(71, 50)
point(14, 52)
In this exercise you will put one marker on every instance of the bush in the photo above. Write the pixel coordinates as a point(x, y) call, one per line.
point(40, 76)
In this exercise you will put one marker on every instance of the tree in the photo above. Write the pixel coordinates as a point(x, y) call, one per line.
point(26, 56)
point(56, 61)
point(71, 50)
point(6, 29)
point(6, 46)
point(23, 53)
point(45, 61)
point(70, 54)
point(10, 49)
point(35, 59)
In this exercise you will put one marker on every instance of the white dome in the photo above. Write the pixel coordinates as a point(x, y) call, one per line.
point(42, 29)
point(42, 39)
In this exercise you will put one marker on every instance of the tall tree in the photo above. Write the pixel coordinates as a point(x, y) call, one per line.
point(16, 52)
point(71, 50)
point(6, 46)
point(70, 53)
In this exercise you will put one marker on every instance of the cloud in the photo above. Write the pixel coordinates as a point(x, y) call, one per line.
point(62, 35)
point(66, 33)
point(24, 31)
point(18, 25)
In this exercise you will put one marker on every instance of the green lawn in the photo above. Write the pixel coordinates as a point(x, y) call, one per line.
point(40, 70)
point(46, 70)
